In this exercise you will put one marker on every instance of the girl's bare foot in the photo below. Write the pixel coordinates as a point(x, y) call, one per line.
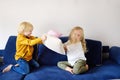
point(7, 68)
point(69, 69)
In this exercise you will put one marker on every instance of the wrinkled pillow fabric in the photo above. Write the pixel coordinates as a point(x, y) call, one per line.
point(54, 33)
point(54, 44)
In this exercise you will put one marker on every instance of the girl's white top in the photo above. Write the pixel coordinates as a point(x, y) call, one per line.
point(75, 52)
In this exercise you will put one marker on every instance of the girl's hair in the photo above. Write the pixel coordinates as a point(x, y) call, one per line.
point(83, 42)
point(24, 26)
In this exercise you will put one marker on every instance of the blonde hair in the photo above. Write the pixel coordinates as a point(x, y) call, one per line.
point(83, 42)
point(24, 26)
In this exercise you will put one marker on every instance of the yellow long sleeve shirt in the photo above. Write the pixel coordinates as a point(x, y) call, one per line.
point(24, 46)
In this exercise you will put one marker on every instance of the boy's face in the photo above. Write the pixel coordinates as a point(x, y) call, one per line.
point(28, 32)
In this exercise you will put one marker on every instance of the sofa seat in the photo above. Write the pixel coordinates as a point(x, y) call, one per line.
point(11, 75)
point(109, 70)
point(49, 73)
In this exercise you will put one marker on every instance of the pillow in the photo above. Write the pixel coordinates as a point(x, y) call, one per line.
point(54, 33)
point(54, 44)
point(115, 54)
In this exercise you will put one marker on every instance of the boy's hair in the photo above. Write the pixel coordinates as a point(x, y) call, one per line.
point(83, 42)
point(24, 26)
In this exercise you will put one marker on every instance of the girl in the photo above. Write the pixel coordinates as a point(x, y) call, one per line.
point(75, 48)
point(24, 49)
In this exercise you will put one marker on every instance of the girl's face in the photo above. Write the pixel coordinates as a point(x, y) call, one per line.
point(76, 35)
point(28, 32)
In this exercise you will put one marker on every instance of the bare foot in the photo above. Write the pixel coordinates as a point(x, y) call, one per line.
point(69, 69)
point(16, 64)
point(7, 68)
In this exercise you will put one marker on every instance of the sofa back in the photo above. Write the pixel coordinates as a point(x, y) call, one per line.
point(10, 50)
point(49, 57)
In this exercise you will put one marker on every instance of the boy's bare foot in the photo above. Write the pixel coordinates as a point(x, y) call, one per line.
point(7, 68)
point(69, 69)
point(16, 64)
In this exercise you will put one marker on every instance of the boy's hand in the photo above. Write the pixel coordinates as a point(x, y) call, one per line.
point(43, 37)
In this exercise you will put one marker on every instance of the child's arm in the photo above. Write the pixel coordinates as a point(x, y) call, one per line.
point(65, 48)
point(31, 42)
point(43, 37)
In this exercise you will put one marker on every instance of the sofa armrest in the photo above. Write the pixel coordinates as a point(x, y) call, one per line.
point(114, 54)
point(1, 52)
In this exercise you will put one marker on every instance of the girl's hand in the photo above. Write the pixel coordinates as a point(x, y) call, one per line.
point(65, 48)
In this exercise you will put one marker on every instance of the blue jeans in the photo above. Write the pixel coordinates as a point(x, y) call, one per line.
point(24, 67)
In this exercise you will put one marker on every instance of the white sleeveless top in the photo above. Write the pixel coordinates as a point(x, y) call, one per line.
point(75, 52)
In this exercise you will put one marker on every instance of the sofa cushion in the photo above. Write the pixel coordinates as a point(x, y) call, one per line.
point(94, 54)
point(49, 57)
point(49, 73)
point(114, 54)
point(11, 75)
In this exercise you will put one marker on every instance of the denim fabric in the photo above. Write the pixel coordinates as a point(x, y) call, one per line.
point(34, 63)
point(24, 67)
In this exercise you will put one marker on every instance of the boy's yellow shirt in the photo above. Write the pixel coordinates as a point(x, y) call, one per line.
point(24, 46)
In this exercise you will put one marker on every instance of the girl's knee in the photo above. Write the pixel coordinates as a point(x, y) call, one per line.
point(81, 70)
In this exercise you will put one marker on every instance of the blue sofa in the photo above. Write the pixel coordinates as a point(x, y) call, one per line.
point(98, 70)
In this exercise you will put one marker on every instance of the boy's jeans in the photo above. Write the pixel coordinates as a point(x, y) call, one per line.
point(24, 67)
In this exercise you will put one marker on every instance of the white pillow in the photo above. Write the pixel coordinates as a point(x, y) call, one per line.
point(54, 44)
point(54, 33)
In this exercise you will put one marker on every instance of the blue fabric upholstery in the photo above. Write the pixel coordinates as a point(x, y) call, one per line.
point(49, 73)
point(10, 51)
point(48, 59)
point(115, 54)
point(11, 75)
point(1, 52)
point(94, 56)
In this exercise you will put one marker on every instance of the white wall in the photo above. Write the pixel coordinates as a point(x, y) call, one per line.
point(99, 18)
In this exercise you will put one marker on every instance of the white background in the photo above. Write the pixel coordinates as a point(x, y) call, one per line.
point(99, 18)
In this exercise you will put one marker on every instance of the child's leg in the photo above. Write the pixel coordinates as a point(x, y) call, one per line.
point(34, 63)
point(80, 67)
point(65, 66)
point(7, 68)
point(22, 67)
